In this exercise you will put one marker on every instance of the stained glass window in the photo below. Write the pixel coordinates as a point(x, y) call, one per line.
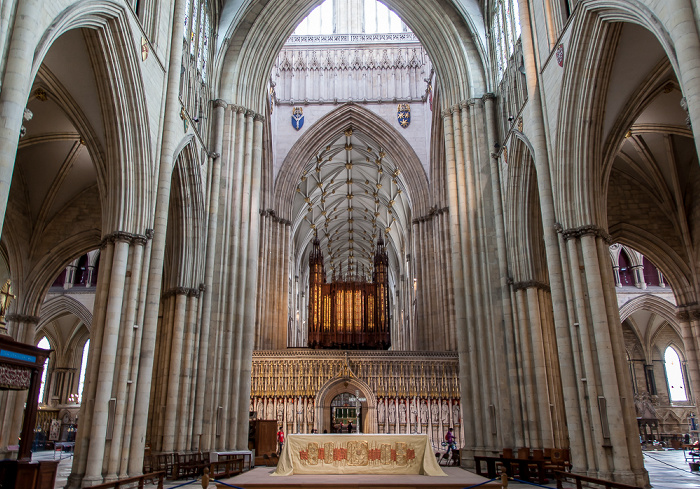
point(197, 33)
point(505, 32)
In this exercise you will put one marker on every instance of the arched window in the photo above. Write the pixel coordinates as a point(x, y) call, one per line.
point(43, 343)
point(505, 31)
point(83, 367)
point(674, 375)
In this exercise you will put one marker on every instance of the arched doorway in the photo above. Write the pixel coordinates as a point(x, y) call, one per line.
point(344, 399)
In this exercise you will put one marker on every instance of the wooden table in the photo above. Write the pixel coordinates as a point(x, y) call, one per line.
point(340, 453)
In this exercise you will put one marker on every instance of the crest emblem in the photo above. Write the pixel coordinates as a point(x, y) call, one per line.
point(297, 118)
point(403, 115)
point(144, 49)
point(560, 55)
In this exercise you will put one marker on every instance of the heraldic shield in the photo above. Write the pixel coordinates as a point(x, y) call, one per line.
point(403, 114)
point(297, 118)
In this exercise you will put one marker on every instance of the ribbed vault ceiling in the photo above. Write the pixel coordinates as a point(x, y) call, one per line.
point(350, 193)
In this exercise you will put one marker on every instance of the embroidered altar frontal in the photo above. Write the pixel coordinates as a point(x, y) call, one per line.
point(357, 454)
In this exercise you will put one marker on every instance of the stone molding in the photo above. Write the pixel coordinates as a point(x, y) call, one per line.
point(22, 318)
point(398, 37)
point(528, 284)
point(578, 232)
point(434, 211)
point(341, 355)
point(190, 292)
point(687, 312)
point(220, 103)
point(125, 237)
point(275, 218)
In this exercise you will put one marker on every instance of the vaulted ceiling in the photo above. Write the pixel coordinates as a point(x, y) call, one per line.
point(350, 193)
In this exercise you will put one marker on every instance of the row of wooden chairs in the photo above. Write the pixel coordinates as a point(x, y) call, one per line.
point(180, 465)
point(553, 458)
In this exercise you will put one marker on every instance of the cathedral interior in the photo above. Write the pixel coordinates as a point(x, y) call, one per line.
point(404, 215)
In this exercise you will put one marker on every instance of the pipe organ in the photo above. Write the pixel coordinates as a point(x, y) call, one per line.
point(349, 312)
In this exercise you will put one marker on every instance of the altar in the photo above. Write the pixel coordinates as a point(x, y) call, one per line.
point(358, 454)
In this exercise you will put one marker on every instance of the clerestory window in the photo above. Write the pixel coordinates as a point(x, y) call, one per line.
point(505, 31)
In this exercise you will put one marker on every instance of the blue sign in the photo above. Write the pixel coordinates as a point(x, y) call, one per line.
point(297, 118)
point(17, 356)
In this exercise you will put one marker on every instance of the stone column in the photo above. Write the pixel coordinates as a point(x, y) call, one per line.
point(124, 354)
point(511, 433)
point(16, 84)
point(537, 136)
point(82, 440)
point(172, 127)
point(212, 221)
point(107, 361)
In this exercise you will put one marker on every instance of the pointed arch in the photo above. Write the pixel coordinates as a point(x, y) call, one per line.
point(597, 26)
point(654, 304)
point(63, 304)
point(456, 48)
point(185, 233)
point(126, 180)
point(525, 243)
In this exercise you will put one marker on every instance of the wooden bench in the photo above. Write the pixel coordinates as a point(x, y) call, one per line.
point(523, 469)
point(135, 482)
point(580, 479)
point(226, 468)
point(189, 464)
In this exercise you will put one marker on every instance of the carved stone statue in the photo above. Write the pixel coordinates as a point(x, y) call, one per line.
point(392, 412)
point(290, 410)
point(261, 409)
point(310, 412)
point(445, 413)
point(455, 413)
point(414, 411)
point(435, 412)
point(423, 412)
point(280, 410)
point(402, 412)
point(380, 411)
point(270, 410)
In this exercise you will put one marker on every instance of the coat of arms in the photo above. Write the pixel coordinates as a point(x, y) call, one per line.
point(297, 118)
point(403, 114)
point(560, 55)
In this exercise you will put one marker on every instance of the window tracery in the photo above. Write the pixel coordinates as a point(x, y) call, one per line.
point(196, 58)
point(505, 32)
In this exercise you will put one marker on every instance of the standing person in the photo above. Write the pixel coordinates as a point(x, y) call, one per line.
point(280, 440)
point(349, 426)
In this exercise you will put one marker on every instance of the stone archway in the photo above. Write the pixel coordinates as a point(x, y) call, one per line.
point(339, 385)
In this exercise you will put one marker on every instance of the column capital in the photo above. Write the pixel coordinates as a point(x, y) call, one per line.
point(23, 318)
point(586, 230)
point(220, 103)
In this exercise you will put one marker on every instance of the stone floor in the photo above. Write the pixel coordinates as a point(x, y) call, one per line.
point(667, 470)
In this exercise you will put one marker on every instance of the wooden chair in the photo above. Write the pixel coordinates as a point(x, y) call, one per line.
point(559, 461)
point(524, 453)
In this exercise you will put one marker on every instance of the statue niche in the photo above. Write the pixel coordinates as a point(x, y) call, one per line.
point(349, 312)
